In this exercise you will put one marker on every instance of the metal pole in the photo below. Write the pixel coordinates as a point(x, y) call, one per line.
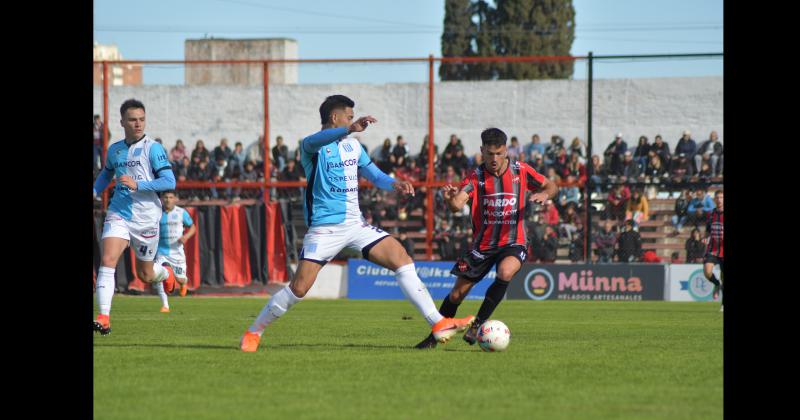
point(429, 206)
point(105, 127)
point(265, 138)
point(587, 249)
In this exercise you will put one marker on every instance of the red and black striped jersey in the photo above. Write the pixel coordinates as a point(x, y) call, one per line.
point(498, 204)
point(715, 230)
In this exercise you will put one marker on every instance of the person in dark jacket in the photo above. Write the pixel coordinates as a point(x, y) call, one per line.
point(695, 248)
point(629, 244)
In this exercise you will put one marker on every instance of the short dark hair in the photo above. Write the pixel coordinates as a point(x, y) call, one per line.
point(718, 192)
point(130, 103)
point(493, 137)
point(331, 103)
point(173, 192)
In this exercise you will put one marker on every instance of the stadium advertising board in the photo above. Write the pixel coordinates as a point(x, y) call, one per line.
point(366, 280)
point(588, 282)
point(688, 284)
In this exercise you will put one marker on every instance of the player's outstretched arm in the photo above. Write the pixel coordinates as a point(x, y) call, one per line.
point(550, 191)
point(377, 177)
point(320, 139)
point(102, 181)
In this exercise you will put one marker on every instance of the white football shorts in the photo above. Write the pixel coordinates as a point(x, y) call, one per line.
point(324, 242)
point(143, 237)
point(178, 264)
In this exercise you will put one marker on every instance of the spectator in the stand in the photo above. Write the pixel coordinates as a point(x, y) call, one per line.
point(291, 172)
point(681, 210)
point(687, 146)
point(399, 156)
point(451, 175)
point(98, 142)
point(200, 152)
point(569, 193)
point(538, 163)
point(614, 153)
point(223, 150)
point(447, 246)
point(545, 248)
point(407, 242)
point(578, 147)
point(477, 160)
point(382, 156)
point(661, 148)
point(599, 174)
point(460, 163)
point(628, 169)
point(576, 168)
point(571, 223)
point(629, 244)
point(655, 172)
point(453, 144)
point(549, 214)
point(411, 173)
point(552, 150)
point(695, 248)
point(218, 168)
point(617, 202)
point(201, 172)
point(298, 151)
point(637, 209)
point(560, 162)
point(249, 174)
point(681, 168)
point(553, 176)
point(577, 246)
point(514, 151)
point(182, 170)
point(535, 146)
point(710, 151)
point(254, 152)
point(640, 155)
point(700, 206)
point(705, 173)
point(280, 153)
point(606, 241)
point(422, 158)
point(177, 153)
point(238, 157)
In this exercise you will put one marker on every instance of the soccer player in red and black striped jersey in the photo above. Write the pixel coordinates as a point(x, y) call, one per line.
point(497, 189)
point(714, 248)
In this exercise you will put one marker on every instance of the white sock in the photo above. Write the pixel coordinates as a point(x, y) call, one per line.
point(105, 289)
point(161, 273)
point(417, 293)
point(274, 309)
point(162, 294)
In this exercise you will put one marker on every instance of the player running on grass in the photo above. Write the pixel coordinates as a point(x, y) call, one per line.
point(333, 161)
point(141, 168)
point(714, 250)
point(497, 190)
point(170, 245)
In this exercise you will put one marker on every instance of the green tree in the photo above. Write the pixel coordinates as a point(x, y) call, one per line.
point(511, 28)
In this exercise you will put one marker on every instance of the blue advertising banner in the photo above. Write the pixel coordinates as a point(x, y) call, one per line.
point(366, 280)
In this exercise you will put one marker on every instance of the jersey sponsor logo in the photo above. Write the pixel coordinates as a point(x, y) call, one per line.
point(127, 163)
point(502, 200)
point(343, 190)
point(343, 178)
point(342, 164)
point(150, 233)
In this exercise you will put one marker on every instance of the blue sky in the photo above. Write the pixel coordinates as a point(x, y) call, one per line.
point(156, 30)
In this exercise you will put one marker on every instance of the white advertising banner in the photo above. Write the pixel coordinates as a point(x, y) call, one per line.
point(688, 284)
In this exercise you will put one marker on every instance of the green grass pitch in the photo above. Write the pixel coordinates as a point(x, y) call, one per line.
point(353, 359)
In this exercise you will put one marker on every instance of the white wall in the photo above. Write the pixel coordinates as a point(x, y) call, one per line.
point(521, 108)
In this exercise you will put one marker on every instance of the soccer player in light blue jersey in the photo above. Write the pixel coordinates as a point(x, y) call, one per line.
point(172, 235)
point(333, 161)
point(141, 169)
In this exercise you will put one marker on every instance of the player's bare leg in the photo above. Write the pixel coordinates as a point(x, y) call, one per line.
point(280, 302)
point(708, 271)
point(112, 250)
point(507, 268)
point(390, 254)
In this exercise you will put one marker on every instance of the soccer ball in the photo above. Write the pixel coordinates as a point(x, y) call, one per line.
point(493, 336)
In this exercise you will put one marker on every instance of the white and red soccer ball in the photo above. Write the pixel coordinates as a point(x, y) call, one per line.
point(493, 335)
